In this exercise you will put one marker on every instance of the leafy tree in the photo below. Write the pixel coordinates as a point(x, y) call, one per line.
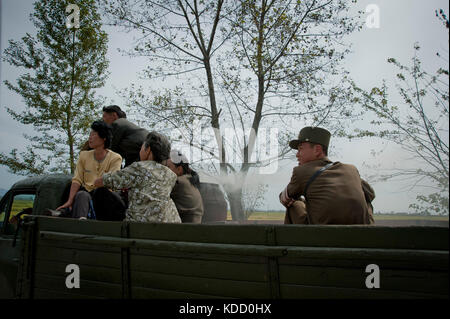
point(64, 67)
point(286, 54)
point(443, 17)
point(419, 125)
point(240, 65)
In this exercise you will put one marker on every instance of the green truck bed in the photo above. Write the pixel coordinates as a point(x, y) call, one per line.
point(149, 260)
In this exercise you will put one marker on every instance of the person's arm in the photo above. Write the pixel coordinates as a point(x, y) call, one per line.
point(77, 181)
point(78, 176)
point(369, 195)
point(99, 182)
point(74, 188)
point(292, 191)
point(285, 200)
point(124, 178)
point(114, 166)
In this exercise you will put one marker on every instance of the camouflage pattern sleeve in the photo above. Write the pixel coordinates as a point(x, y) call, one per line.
point(125, 178)
point(149, 186)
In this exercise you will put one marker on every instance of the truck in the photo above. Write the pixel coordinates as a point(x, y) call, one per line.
point(52, 257)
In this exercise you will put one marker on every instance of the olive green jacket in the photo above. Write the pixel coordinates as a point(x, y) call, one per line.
point(337, 196)
point(188, 200)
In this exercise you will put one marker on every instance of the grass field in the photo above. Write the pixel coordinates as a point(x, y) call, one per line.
point(17, 207)
point(280, 216)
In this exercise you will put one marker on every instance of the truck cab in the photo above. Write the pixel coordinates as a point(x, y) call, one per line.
point(31, 196)
point(34, 195)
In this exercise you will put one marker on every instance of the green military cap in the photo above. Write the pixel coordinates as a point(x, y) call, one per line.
point(313, 135)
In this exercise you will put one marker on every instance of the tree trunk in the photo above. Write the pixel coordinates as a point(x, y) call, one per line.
point(234, 195)
point(235, 201)
point(69, 110)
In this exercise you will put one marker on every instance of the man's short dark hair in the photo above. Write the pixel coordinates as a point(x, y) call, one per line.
point(115, 109)
point(160, 146)
point(104, 131)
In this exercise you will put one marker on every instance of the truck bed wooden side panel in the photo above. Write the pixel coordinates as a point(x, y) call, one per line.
point(143, 260)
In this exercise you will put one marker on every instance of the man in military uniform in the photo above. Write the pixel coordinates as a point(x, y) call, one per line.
point(337, 194)
point(127, 137)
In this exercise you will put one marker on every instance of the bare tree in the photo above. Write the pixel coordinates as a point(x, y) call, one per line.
point(420, 125)
point(252, 197)
point(244, 64)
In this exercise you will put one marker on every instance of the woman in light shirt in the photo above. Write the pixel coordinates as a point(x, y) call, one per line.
point(91, 165)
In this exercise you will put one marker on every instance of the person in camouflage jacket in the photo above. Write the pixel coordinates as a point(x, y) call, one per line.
point(149, 183)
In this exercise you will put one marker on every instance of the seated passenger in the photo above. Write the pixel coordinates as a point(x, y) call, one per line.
point(337, 196)
point(90, 166)
point(127, 137)
point(185, 194)
point(149, 183)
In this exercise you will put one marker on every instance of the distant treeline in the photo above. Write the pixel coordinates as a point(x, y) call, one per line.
point(22, 197)
point(376, 213)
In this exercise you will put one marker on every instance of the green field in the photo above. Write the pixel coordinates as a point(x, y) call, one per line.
point(17, 207)
point(280, 216)
point(20, 204)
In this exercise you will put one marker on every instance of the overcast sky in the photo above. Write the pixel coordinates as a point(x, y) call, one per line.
point(402, 23)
